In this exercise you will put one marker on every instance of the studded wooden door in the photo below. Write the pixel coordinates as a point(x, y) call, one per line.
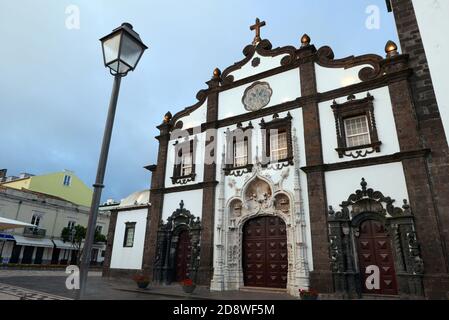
point(183, 254)
point(265, 253)
point(374, 249)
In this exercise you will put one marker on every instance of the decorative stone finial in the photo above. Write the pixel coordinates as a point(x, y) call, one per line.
point(363, 184)
point(305, 40)
point(216, 73)
point(181, 204)
point(351, 97)
point(405, 206)
point(167, 117)
point(391, 49)
point(331, 211)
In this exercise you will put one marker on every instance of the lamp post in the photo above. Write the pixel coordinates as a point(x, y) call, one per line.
point(122, 50)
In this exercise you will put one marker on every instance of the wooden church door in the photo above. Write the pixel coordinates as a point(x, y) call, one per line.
point(374, 249)
point(183, 254)
point(265, 253)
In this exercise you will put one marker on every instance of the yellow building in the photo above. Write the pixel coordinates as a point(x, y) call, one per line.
point(64, 184)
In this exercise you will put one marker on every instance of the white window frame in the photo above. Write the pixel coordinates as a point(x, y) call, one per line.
point(186, 168)
point(275, 153)
point(238, 154)
point(348, 136)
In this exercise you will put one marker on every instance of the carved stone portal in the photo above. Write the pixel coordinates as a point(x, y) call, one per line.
point(258, 197)
point(345, 230)
point(167, 243)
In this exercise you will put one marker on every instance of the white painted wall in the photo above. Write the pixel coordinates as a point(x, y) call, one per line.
point(266, 63)
point(193, 201)
point(195, 118)
point(334, 78)
point(386, 127)
point(387, 178)
point(124, 257)
point(286, 87)
point(433, 22)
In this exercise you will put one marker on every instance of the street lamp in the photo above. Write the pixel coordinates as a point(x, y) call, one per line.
point(122, 50)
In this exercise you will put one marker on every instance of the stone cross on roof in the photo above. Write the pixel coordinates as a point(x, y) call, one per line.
point(257, 27)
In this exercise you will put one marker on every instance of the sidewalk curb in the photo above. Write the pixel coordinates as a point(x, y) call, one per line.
point(190, 297)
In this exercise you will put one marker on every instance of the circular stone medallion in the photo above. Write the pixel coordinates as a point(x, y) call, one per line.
point(257, 96)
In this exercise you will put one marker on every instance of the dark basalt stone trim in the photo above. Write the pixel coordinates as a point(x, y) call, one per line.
point(359, 151)
point(382, 81)
point(278, 165)
point(259, 76)
point(189, 187)
point(201, 96)
point(395, 157)
point(323, 56)
point(238, 171)
point(263, 48)
point(183, 179)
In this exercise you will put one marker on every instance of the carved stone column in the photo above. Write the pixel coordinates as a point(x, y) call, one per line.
point(218, 279)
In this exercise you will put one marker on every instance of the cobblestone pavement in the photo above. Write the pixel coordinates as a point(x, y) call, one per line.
point(9, 292)
point(48, 284)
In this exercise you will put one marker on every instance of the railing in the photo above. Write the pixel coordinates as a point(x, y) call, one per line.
point(35, 232)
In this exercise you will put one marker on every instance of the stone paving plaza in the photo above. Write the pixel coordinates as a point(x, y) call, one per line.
point(50, 285)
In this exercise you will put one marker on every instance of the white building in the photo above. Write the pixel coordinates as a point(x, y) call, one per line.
point(127, 232)
point(296, 170)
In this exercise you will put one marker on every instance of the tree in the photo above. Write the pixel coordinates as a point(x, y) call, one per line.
point(76, 235)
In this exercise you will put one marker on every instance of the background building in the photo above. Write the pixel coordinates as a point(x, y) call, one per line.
point(50, 214)
point(64, 184)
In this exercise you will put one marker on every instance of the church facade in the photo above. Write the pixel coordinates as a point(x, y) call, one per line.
point(299, 170)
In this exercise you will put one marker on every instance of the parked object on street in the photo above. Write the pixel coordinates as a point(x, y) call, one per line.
point(188, 286)
point(142, 280)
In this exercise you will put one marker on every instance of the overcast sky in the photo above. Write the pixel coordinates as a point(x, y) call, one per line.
point(54, 89)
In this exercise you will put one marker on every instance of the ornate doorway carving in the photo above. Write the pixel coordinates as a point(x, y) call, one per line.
point(373, 246)
point(259, 197)
point(370, 230)
point(178, 248)
point(265, 261)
